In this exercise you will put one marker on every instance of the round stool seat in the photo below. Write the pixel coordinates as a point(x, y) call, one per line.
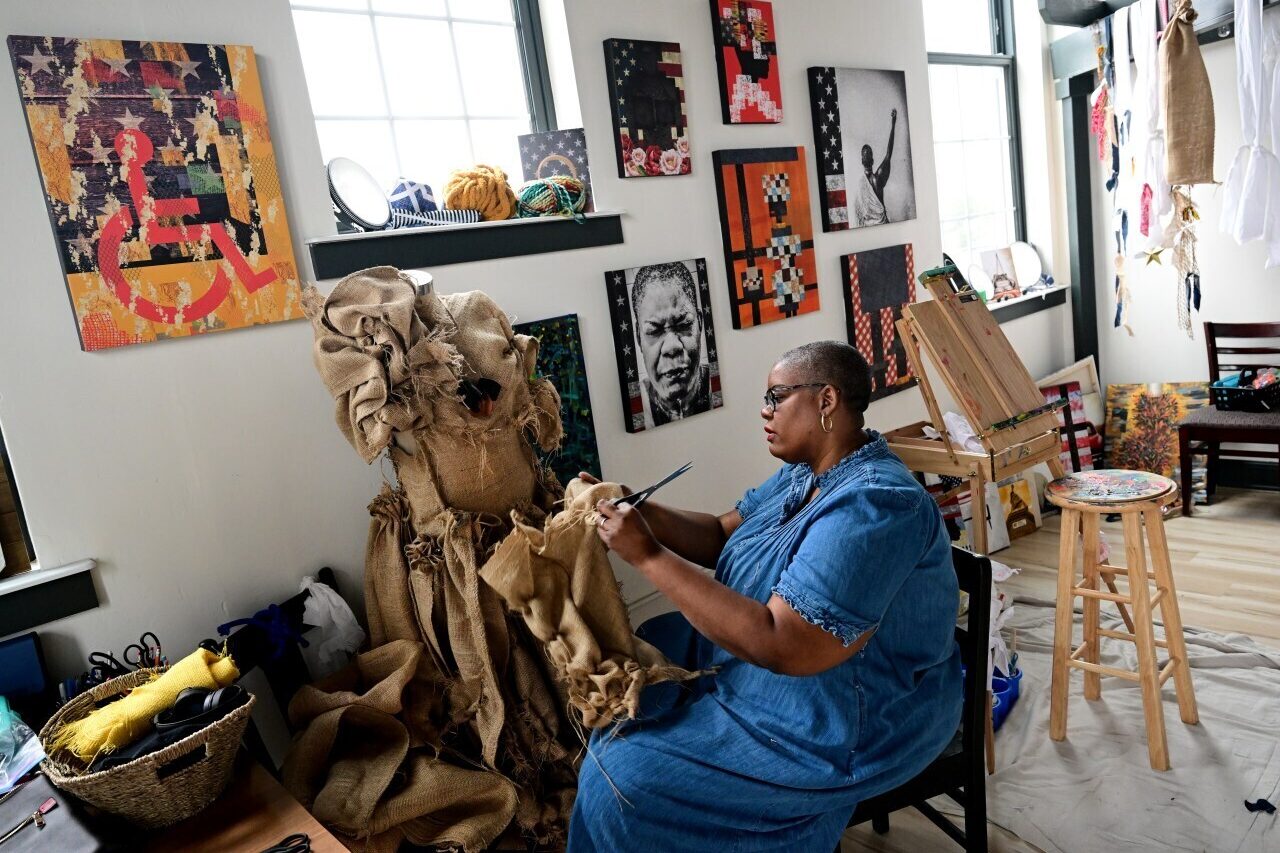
point(1108, 488)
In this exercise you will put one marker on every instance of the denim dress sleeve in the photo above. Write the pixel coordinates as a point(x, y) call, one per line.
point(854, 558)
point(754, 497)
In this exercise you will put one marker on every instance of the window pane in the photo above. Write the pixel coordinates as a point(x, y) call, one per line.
point(367, 142)
point(957, 26)
point(411, 7)
point(989, 232)
point(430, 150)
point(492, 79)
point(944, 94)
point(949, 159)
point(340, 63)
point(981, 93)
point(361, 5)
point(955, 242)
point(481, 10)
point(494, 143)
point(985, 176)
point(407, 45)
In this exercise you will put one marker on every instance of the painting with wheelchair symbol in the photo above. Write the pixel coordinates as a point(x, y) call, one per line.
point(161, 185)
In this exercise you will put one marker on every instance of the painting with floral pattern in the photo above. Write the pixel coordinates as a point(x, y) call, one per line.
point(647, 104)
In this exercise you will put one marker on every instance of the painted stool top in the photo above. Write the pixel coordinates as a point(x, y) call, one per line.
point(1109, 486)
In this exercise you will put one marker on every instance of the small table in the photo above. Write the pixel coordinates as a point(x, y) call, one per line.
point(254, 813)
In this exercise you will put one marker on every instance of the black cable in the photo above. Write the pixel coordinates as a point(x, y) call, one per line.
point(299, 842)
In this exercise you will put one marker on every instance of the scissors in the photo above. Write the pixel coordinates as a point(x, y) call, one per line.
point(144, 654)
point(637, 498)
point(107, 665)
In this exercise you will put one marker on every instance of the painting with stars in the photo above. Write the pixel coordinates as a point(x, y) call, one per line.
point(647, 104)
point(877, 284)
point(557, 152)
point(161, 186)
point(747, 61)
point(768, 234)
point(665, 342)
point(862, 144)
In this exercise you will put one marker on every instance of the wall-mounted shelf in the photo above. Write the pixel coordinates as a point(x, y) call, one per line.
point(440, 245)
point(1012, 309)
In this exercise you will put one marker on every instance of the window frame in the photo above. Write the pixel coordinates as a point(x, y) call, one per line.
point(1003, 56)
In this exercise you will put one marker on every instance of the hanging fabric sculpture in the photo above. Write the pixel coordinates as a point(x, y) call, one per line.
point(1187, 100)
point(455, 730)
point(1181, 236)
point(1251, 201)
point(1150, 191)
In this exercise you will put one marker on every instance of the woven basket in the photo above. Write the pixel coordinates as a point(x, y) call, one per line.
point(157, 789)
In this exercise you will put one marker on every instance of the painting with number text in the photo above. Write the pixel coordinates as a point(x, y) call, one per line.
point(161, 186)
point(877, 283)
point(747, 60)
point(768, 234)
point(647, 104)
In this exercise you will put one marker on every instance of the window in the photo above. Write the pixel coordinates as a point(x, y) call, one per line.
point(417, 88)
point(972, 86)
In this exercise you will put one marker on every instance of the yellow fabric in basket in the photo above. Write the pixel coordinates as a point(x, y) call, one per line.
point(121, 723)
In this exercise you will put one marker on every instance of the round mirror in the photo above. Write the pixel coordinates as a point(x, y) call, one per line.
point(1026, 264)
point(981, 281)
point(357, 195)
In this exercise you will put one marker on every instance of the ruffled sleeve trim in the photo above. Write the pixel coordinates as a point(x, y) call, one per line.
point(816, 612)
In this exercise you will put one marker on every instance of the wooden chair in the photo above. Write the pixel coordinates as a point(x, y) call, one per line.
point(1206, 429)
point(959, 772)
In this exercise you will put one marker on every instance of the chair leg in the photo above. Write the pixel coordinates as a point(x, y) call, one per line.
point(1062, 624)
point(1144, 638)
point(880, 823)
point(975, 818)
point(978, 518)
point(1212, 469)
point(1172, 617)
point(1184, 463)
point(1089, 561)
point(989, 734)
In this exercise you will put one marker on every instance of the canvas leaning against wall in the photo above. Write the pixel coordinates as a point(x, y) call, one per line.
point(747, 61)
point(647, 105)
point(862, 146)
point(1142, 423)
point(665, 343)
point(768, 234)
point(557, 152)
point(161, 185)
point(877, 284)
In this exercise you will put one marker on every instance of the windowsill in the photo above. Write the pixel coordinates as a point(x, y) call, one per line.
point(1021, 306)
point(38, 596)
point(440, 245)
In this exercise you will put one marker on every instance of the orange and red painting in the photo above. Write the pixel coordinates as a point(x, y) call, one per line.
point(161, 185)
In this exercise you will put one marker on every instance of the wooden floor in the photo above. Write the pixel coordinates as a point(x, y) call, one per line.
point(1226, 565)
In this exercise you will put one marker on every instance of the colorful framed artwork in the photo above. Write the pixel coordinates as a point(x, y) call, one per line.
point(747, 61)
point(1142, 423)
point(557, 152)
point(665, 342)
point(161, 186)
point(862, 144)
point(877, 283)
point(647, 104)
point(560, 360)
point(768, 234)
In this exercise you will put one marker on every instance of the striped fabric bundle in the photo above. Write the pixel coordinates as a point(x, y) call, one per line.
point(406, 219)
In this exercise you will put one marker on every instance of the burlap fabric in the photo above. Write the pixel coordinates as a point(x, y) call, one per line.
point(1187, 99)
point(455, 730)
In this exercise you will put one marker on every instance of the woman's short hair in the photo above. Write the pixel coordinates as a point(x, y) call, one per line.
point(837, 364)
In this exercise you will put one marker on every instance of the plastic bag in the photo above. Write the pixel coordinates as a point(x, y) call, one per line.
point(340, 634)
point(20, 749)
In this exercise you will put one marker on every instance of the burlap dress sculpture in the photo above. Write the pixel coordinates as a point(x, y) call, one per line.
point(463, 725)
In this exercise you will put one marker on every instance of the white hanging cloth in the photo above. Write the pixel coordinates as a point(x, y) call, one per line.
point(1151, 193)
point(1251, 199)
point(1271, 97)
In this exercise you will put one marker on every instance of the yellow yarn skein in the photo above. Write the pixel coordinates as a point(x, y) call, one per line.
point(482, 188)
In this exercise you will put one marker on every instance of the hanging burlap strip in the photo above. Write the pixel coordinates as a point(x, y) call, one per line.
point(1187, 99)
point(559, 580)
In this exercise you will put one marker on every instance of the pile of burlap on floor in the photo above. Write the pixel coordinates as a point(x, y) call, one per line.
point(455, 729)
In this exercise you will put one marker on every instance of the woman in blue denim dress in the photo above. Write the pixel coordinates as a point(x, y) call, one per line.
point(830, 622)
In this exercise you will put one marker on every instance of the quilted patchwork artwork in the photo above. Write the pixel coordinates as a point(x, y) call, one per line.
point(161, 185)
point(768, 234)
point(557, 152)
point(1142, 423)
point(747, 59)
point(665, 342)
point(877, 283)
point(647, 104)
point(862, 145)
point(560, 360)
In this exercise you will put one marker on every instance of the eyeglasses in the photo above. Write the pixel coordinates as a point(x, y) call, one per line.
point(771, 400)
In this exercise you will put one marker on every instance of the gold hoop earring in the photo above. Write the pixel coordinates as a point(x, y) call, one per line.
point(825, 422)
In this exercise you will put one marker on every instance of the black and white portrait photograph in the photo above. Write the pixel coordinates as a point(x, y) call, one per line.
point(664, 341)
point(862, 146)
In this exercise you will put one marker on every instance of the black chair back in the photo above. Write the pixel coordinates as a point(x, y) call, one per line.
point(974, 575)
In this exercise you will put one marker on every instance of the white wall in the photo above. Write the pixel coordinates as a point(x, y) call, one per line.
point(206, 475)
point(1235, 285)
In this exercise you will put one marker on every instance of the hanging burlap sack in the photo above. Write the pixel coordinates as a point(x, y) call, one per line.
point(1187, 101)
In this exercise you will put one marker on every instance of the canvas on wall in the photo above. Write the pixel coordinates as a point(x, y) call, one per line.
point(877, 284)
point(647, 105)
point(862, 145)
point(747, 61)
point(557, 152)
point(161, 186)
point(665, 342)
point(560, 360)
point(1142, 423)
point(768, 234)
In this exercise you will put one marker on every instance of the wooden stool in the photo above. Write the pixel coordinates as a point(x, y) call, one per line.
point(1138, 497)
